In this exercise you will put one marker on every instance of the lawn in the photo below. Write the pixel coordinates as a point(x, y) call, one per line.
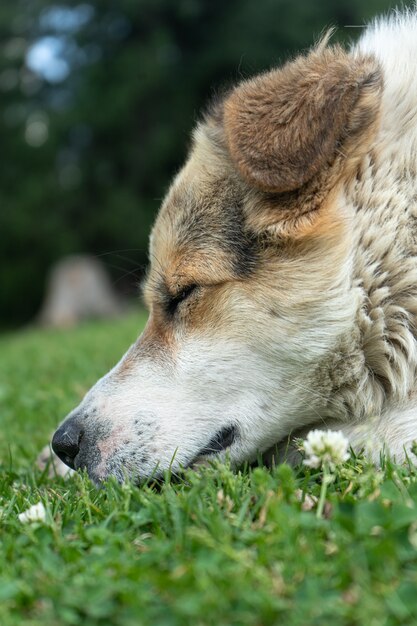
point(220, 548)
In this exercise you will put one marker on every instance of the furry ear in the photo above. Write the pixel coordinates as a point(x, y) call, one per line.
point(285, 127)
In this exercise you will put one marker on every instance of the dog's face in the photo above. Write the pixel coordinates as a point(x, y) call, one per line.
point(248, 289)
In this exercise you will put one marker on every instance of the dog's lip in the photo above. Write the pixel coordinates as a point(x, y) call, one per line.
point(222, 440)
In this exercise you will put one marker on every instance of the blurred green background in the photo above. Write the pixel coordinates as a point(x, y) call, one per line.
point(97, 100)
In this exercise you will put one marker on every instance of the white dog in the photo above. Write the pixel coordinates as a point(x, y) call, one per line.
point(282, 291)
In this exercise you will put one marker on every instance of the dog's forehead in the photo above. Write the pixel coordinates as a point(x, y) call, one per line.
point(201, 222)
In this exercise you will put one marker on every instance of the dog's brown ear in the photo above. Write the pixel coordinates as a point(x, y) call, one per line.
point(285, 127)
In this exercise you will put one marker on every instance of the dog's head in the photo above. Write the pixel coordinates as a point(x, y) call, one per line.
point(248, 287)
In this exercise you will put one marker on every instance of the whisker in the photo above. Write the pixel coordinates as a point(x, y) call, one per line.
point(129, 273)
point(125, 273)
point(100, 254)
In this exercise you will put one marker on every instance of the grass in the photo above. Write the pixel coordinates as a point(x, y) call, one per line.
point(221, 548)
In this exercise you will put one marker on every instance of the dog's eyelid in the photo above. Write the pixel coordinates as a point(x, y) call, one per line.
point(181, 295)
point(184, 292)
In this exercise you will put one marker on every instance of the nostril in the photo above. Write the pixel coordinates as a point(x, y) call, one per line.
point(67, 440)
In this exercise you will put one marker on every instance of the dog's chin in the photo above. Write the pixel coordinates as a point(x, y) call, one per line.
point(119, 474)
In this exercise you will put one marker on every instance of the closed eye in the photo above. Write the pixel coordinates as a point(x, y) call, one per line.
point(174, 301)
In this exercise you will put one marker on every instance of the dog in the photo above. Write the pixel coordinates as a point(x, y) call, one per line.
point(282, 289)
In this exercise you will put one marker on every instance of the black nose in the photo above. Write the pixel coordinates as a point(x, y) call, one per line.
point(66, 441)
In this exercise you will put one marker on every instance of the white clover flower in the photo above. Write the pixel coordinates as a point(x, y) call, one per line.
point(328, 447)
point(36, 513)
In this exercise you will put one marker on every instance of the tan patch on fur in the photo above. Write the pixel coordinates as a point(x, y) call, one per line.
point(189, 243)
point(306, 213)
point(156, 339)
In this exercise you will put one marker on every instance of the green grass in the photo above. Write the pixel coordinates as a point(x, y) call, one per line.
point(221, 548)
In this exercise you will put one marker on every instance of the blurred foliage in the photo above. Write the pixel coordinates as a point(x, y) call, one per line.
point(92, 133)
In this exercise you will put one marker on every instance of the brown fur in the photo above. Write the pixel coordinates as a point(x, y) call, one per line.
point(289, 131)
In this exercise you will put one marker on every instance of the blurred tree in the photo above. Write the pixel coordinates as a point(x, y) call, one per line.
point(97, 100)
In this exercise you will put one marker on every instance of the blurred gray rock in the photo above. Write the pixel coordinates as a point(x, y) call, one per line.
point(78, 288)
